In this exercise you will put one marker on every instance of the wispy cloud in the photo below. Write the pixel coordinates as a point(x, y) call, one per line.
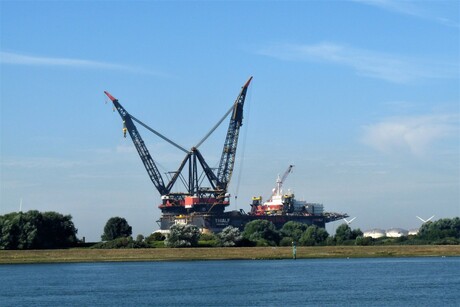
point(388, 67)
point(410, 134)
point(40, 163)
point(410, 8)
point(31, 60)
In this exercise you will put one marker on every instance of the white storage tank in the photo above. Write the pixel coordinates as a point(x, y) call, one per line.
point(397, 233)
point(375, 233)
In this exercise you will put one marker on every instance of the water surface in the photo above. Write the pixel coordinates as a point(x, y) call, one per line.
point(319, 282)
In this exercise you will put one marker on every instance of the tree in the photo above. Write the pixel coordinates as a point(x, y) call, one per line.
point(293, 230)
point(262, 232)
point(440, 230)
point(345, 233)
point(314, 236)
point(230, 236)
point(116, 227)
point(36, 230)
point(181, 235)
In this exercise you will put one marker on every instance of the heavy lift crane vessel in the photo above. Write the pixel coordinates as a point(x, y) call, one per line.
point(196, 198)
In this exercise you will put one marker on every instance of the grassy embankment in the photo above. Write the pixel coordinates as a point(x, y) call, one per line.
point(175, 254)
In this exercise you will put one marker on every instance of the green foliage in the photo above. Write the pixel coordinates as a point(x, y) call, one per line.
point(122, 242)
point(182, 236)
point(314, 236)
point(208, 240)
point(230, 236)
point(330, 241)
point(116, 227)
point(262, 232)
point(345, 233)
point(294, 230)
point(208, 237)
point(155, 239)
point(36, 230)
point(364, 241)
point(286, 241)
point(157, 236)
point(440, 230)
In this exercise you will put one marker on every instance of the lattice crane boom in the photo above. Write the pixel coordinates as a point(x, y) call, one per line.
point(227, 160)
point(149, 164)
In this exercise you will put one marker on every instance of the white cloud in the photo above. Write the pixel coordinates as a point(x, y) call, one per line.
point(411, 8)
point(413, 134)
point(41, 163)
point(391, 68)
point(28, 60)
point(125, 149)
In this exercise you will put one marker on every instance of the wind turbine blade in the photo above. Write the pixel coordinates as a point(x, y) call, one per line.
point(421, 219)
point(430, 218)
point(352, 220)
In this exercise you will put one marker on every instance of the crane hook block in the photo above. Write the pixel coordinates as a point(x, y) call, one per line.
point(124, 129)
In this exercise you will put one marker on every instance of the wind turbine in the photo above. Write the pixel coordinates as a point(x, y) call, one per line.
point(349, 221)
point(424, 221)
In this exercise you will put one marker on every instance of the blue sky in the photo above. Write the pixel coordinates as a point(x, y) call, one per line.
point(361, 96)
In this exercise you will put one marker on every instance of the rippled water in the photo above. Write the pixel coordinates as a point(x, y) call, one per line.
point(326, 282)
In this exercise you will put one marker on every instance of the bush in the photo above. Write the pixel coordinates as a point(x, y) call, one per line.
point(122, 242)
point(208, 237)
point(286, 241)
point(364, 241)
point(330, 241)
point(230, 236)
point(181, 235)
point(155, 239)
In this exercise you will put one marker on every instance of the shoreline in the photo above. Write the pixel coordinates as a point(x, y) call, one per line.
point(75, 255)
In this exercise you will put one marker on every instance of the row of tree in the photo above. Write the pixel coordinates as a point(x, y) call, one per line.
point(37, 230)
point(264, 233)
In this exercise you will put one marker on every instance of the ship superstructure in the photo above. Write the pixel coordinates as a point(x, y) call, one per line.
point(280, 203)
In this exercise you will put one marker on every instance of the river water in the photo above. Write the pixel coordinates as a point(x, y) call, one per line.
point(319, 282)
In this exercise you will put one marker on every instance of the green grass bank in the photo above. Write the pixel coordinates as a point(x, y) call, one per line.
point(215, 253)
